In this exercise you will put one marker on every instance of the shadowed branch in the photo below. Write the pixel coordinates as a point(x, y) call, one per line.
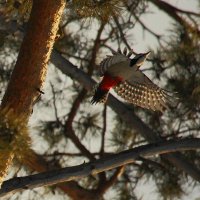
point(110, 162)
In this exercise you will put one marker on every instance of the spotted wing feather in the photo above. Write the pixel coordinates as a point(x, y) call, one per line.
point(141, 91)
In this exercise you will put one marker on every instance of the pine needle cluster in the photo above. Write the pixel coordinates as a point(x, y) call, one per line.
point(14, 140)
point(100, 9)
point(17, 9)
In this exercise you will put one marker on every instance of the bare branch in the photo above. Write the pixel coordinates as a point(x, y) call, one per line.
point(75, 107)
point(107, 184)
point(69, 132)
point(122, 34)
point(173, 13)
point(185, 11)
point(146, 28)
point(54, 102)
point(103, 130)
point(61, 154)
point(95, 49)
point(70, 173)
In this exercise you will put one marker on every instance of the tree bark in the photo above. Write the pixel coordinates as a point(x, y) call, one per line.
point(30, 70)
point(28, 75)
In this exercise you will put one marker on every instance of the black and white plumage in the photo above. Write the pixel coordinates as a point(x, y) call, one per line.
point(123, 74)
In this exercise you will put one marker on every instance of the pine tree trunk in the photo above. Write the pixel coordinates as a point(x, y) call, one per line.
point(27, 79)
point(30, 70)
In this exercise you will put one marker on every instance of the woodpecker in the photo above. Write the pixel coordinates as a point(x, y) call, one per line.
point(123, 74)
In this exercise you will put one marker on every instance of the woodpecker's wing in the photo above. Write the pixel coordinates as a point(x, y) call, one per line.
point(140, 90)
point(117, 57)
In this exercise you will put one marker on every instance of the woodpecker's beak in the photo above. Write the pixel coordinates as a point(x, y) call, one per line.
point(147, 54)
point(142, 59)
point(139, 59)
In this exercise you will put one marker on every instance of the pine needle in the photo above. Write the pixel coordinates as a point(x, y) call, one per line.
point(102, 9)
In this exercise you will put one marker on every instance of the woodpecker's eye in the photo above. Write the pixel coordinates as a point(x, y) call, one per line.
point(133, 62)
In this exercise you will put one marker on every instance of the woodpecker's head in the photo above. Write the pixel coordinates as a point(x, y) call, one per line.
point(139, 59)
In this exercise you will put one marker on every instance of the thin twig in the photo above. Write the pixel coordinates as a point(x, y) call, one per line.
point(102, 188)
point(69, 132)
point(103, 130)
point(146, 28)
point(122, 34)
point(95, 49)
point(54, 102)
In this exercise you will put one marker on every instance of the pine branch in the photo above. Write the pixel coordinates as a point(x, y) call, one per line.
point(76, 172)
point(102, 10)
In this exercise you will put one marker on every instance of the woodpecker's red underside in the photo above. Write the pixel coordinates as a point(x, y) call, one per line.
point(109, 82)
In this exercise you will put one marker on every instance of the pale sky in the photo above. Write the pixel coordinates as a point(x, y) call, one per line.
point(160, 23)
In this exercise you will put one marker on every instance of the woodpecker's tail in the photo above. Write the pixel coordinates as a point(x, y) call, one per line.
point(100, 96)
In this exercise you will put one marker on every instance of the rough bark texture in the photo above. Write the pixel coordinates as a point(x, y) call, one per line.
point(31, 67)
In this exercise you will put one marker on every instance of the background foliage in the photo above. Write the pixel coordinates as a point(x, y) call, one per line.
point(67, 130)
